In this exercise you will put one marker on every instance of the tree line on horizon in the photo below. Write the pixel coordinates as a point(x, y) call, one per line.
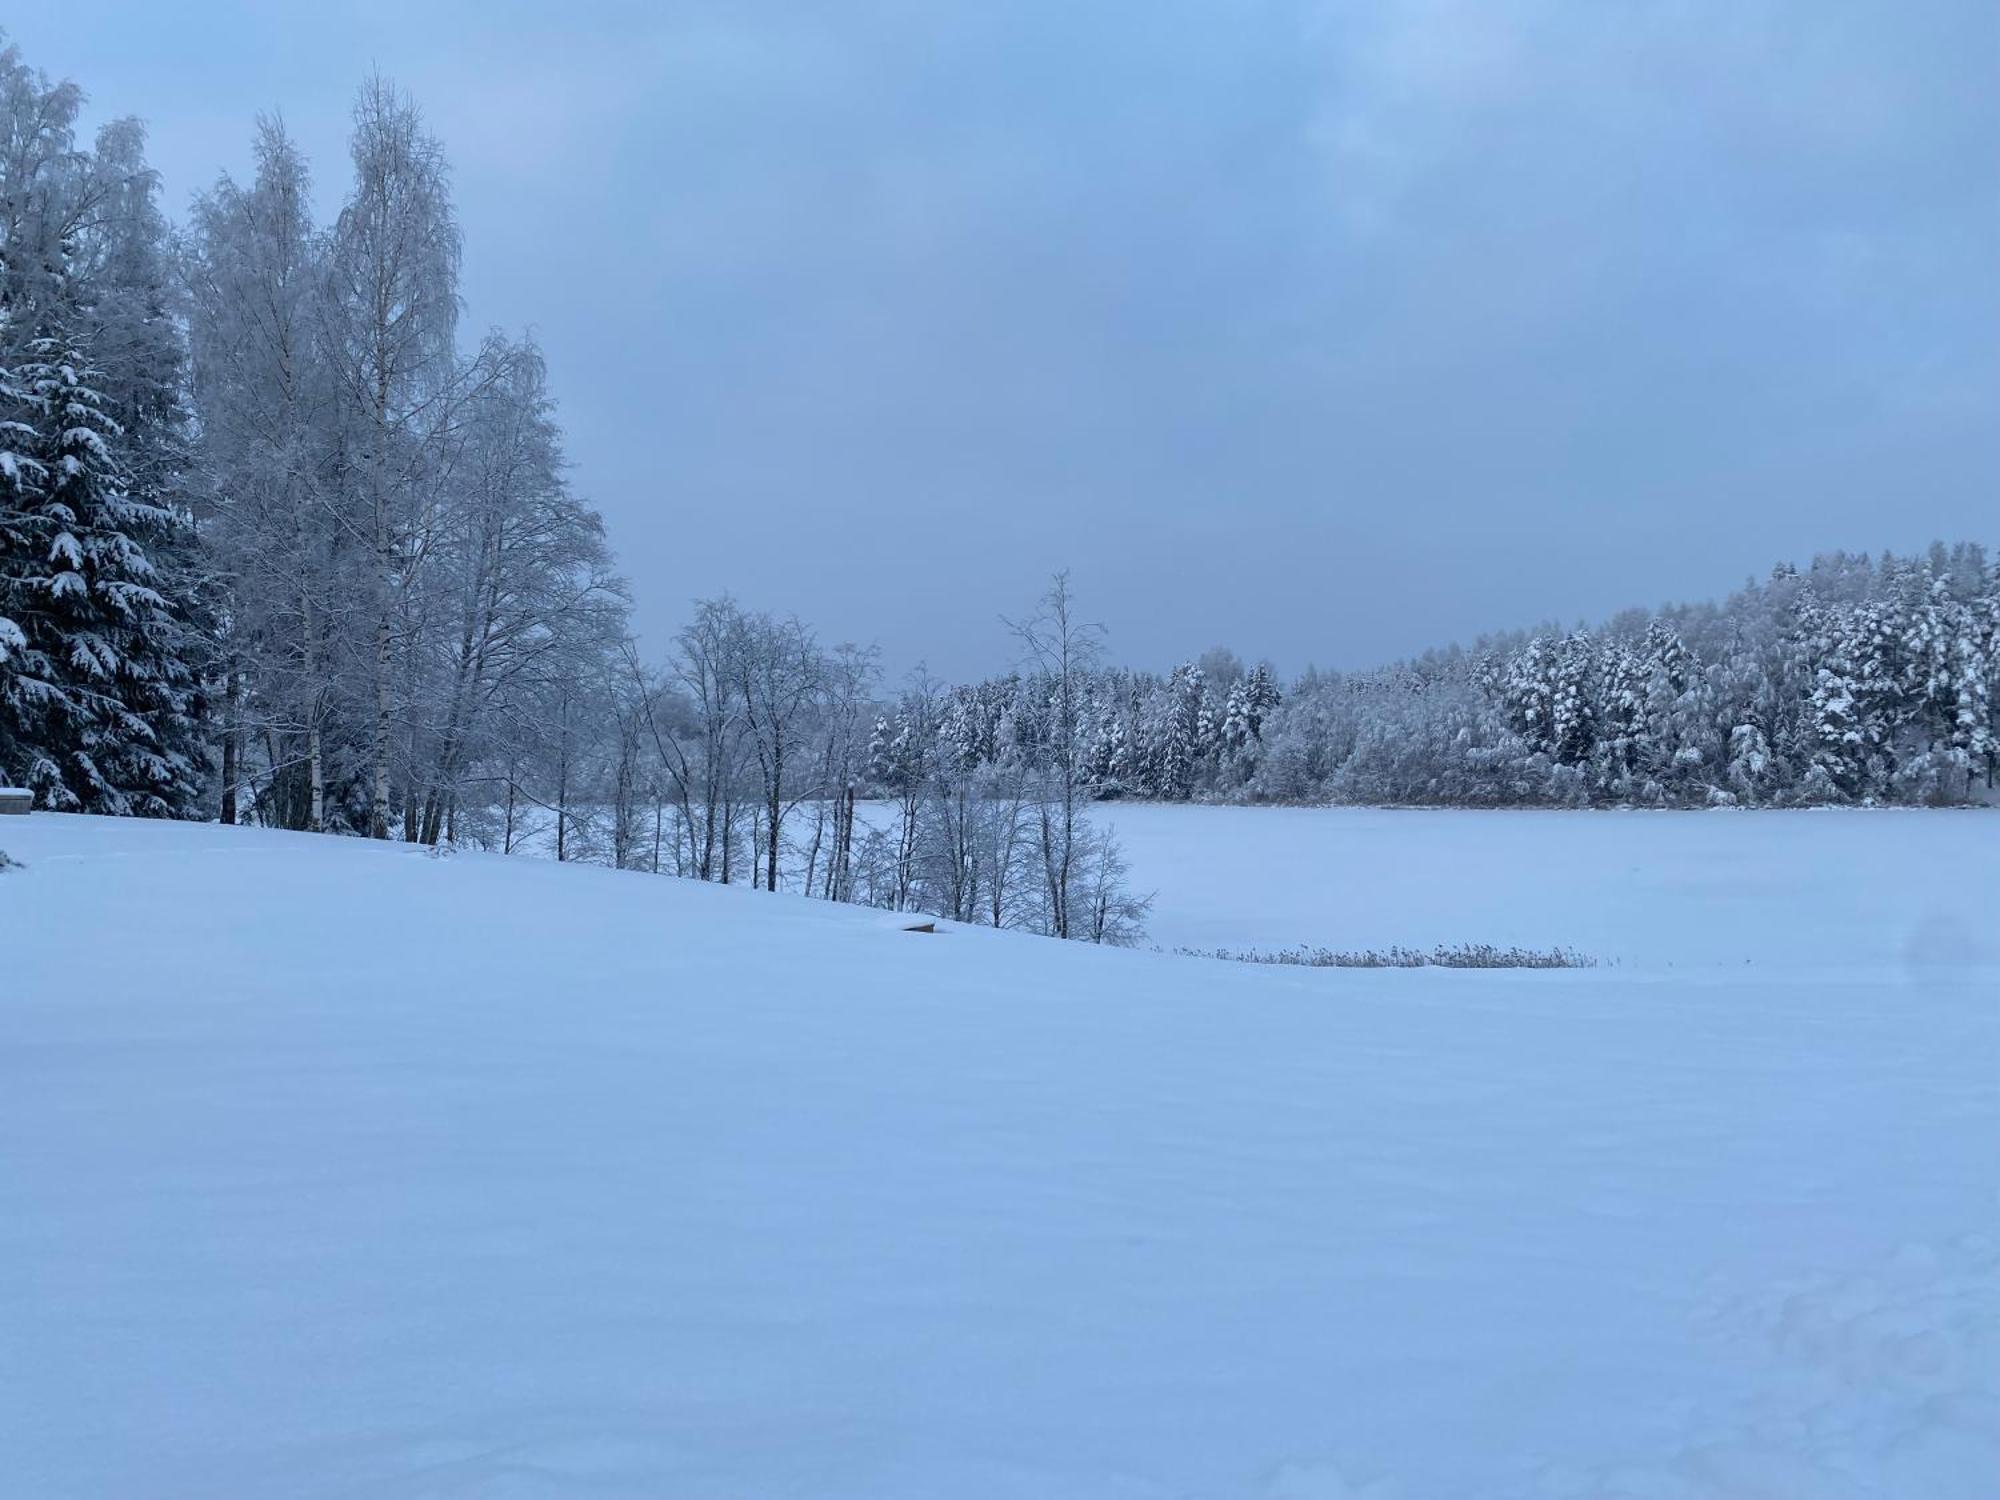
point(279, 544)
point(1857, 681)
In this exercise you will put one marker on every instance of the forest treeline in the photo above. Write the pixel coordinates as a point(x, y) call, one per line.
point(1854, 681)
point(281, 542)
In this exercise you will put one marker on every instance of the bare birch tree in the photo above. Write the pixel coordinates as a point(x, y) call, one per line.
point(388, 319)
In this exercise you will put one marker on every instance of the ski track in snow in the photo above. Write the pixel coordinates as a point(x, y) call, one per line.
point(329, 1170)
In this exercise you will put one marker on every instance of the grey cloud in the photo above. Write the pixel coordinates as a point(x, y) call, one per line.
point(1329, 331)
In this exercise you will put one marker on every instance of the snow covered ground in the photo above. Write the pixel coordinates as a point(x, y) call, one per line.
point(331, 1169)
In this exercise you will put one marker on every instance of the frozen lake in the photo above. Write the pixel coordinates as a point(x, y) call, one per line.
point(1889, 889)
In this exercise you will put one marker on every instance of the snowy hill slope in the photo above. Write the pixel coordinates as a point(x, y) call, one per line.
point(328, 1169)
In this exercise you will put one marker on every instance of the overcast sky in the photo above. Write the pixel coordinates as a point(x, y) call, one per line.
point(1326, 331)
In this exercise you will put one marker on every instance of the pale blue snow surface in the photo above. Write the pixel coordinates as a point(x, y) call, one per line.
point(332, 1170)
point(1892, 889)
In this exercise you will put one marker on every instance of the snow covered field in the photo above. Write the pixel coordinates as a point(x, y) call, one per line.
point(331, 1169)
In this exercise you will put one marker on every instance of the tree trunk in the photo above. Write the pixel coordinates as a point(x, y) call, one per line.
point(812, 849)
point(315, 776)
point(562, 808)
point(906, 850)
point(378, 808)
point(772, 811)
point(315, 767)
point(843, 847)
point(232, 734)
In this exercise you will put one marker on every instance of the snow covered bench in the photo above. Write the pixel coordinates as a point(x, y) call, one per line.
point(15, 799)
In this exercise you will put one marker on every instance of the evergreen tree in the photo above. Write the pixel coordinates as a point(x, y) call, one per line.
point(99, 707)
point(1528, 691)
point(1838, 768)
point(1573, 705)
point(21, 478)
point(1622, 718)
point(1180, 733)
point(1260, 696)
point(98, 701)
point(1678, 717)
point(1235, 732)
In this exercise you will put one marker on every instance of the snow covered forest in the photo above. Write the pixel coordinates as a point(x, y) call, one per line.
point(282, 543)
point(1851, 682)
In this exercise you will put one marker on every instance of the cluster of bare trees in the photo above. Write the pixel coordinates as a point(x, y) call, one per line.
point(990, 789)
point(747, 732)
point(413, 608)
point(755, 755)
point(421, 634)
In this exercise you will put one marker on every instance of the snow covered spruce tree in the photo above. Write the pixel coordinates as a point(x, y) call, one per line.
point(98, 707)
point(21, 479)
point(99, 658)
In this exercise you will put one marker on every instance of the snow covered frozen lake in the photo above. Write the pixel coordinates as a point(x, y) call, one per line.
point(331, 1169)
point(1891, 888)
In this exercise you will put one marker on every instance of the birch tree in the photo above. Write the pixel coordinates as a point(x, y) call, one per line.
point(779, 675)
point(388, 319)
point(285, 563)
point(1062, 651)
